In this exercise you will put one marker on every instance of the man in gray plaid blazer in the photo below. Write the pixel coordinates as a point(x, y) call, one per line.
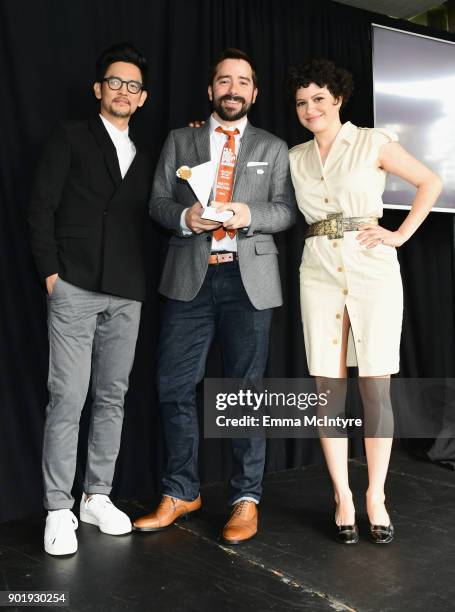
point(225, 285)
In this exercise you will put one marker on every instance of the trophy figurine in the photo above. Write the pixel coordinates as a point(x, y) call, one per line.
point(200, 179)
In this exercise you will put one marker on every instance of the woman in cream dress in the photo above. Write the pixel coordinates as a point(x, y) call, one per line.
point(351, 291)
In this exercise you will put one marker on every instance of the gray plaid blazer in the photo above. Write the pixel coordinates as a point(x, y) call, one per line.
point(269, 195)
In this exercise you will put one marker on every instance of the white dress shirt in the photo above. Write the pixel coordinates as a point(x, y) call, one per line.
point(123, 144)
point(217, 141)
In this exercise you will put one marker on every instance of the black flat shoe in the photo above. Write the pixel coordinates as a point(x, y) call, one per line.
point(347, 534)
point(380, 534)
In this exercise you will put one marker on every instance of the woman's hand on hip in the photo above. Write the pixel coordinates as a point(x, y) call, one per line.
point(372, 235)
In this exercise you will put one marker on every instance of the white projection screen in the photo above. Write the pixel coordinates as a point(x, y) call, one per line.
point(414, 95)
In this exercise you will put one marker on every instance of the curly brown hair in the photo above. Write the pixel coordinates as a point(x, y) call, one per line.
point(323, 73)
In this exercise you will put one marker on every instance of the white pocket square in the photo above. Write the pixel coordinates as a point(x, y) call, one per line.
point(250, 164)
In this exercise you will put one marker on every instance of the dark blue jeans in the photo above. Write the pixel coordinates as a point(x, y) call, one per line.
point(222, 306)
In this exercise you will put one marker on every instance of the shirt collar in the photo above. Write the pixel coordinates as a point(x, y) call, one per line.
point(348, 132)
point(240, 126)
point(113, 131)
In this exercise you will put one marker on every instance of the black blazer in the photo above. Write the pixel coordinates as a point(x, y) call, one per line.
point(85, 222)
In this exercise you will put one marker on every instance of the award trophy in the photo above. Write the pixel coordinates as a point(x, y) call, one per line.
point(200, 179)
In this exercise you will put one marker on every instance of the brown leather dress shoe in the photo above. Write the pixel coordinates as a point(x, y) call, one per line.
point(242, 524)
point(168, 510)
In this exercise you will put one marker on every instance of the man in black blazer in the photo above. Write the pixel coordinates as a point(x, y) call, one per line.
point(86, 218)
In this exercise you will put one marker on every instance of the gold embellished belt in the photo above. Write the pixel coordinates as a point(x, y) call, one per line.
point(335, 225)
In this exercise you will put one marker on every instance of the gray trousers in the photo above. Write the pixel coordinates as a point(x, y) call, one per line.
point(89, 334)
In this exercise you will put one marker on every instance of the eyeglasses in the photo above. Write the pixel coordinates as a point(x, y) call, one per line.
point(115, 83)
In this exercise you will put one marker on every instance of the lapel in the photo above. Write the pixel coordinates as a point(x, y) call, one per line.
point(344, 139)
point(134, 166)
point(247, 145)
point(201, 138)
point(107, 148)
point(136, 159)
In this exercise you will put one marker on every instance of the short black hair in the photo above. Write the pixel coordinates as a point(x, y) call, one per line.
point(233, 53)
point(323, 73)
point(121, 52)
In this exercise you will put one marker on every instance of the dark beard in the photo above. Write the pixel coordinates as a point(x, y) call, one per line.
point(227, 114)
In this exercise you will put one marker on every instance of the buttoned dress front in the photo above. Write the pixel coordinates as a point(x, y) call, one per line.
point(340, 273)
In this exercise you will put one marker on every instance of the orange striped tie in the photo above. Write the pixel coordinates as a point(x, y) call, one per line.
point(225, 176)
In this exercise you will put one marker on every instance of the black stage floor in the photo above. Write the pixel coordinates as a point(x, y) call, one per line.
point(293, 563)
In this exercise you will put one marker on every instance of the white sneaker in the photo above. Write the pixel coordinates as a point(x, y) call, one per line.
point(59, 536)
point(99, 510)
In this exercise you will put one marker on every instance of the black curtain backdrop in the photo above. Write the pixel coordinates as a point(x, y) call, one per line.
point(47, 55)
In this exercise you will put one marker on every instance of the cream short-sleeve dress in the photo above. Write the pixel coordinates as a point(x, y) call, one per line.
point(340, 273)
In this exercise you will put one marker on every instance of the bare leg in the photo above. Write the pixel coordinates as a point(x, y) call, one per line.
point(336, 449)
point(378, 418)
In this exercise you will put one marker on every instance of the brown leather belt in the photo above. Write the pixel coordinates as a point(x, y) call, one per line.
point(222, 257)
point(335, 225)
